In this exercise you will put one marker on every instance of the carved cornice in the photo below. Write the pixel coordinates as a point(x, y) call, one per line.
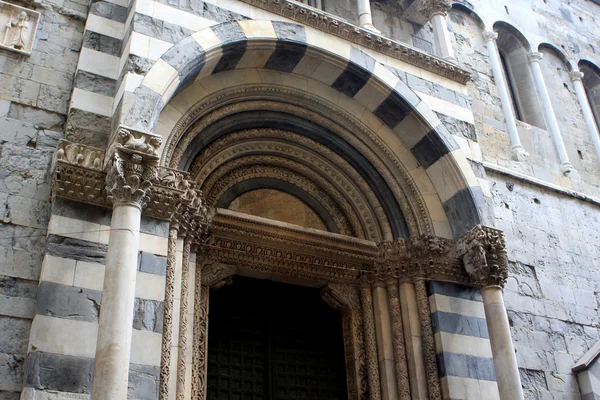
point(81, 173)
point(483, 251)
point(331, 24)
point(421, 11)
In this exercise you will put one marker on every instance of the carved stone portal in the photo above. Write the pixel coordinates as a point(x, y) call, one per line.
point(20, 25)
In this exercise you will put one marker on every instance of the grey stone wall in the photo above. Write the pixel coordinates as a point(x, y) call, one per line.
point(553, 290)
point(34, 96)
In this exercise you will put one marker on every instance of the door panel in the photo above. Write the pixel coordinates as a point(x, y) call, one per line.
point(273, 341)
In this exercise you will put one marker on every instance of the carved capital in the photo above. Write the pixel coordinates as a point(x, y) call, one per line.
point(421, 11)
point(483, 251)
point(490, 36)
point(576, 75)
point(128, 179)
point(535, 56)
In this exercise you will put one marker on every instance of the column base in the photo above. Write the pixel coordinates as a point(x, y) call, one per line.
point(567, 168)
point(370, 27)
point(519, 153)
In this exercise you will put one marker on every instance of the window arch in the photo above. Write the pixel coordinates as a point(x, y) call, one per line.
point(513, 49)
point(591, 83)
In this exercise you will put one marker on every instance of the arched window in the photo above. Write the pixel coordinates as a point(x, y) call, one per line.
point(591, 83)
point(513, 49)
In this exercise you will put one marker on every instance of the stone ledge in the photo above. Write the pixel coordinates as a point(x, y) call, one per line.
point(337, 26)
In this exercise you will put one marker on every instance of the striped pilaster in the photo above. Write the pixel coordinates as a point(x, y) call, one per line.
point(62, 342)
point(463, 348)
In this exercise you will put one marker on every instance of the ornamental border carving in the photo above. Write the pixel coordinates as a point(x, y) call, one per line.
point(331, 24)
point(307, 106)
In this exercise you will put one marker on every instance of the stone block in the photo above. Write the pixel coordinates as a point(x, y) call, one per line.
point(15, 332)
point(68, 302)
point(148, 315)
point(143, 382)
point(50, 371)
point(11, 372)
point(152, 264)
point(76, 249)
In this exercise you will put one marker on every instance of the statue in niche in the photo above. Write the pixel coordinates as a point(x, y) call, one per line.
point(15, 35)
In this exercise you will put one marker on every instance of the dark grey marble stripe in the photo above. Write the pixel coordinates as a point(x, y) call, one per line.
point(459, 324)
point(466, 366)
point(590, 396)
point(458, 127)
point(453, 290)
point(594, 369)
point(431, 148)
point(68, 302)
point(80, 304)
point(286, 56)
point(232, 54)
point(102, 43)
point(48, 371)
point(462, 211)
point(152, 264)
point(158, 29)
point(109, 10)
point(95, 83)
point(392, 110)
point(357, 73)
point(187, 58)
point(75, 249)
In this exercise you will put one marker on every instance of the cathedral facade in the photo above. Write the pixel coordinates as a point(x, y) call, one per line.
point(285, 200)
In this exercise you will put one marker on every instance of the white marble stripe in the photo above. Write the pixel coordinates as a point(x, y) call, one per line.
point(99, 63)
point(78, 339)
point(92, 102)
point(462, 344)
point(84, 230)
point(457, 388)
point(105, 26)
point(456, 305)
point(447, 108)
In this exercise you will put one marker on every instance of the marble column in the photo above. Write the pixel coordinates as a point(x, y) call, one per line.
point(183, 320)
point(366, 302)
point(516, 148)
point(200, 334)
point(365, 19)
point(385, 348)
point(128, 179)
point(588, 115)
point(503, 351)
point(443, 44)
point(398, 340)
point(412, 339)
point(429, 352)
point(552, 123)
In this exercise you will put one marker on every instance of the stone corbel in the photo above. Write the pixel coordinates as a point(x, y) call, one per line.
point(421, 11)
point(483, 251)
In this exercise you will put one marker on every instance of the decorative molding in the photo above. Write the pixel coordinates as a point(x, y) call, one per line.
point(19, 28)
point(428, 340)
point(483, 251)
point(336, 26)
point(165, 354)
point(398, 340)
point(366, 301)
point(421, 11)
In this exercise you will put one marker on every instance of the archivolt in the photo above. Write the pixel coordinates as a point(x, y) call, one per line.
point(222, 113)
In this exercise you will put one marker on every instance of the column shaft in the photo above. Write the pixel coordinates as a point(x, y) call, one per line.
point(443, 44)
point(385, 348)
point(111, 365)
point(412, 338)
point(398, 341)
point(183, 311)
point(551, 121)
point(167, 338)
point(516, 148)
point(503, 351)
point(200, 335)
point(366, 301)
point(365, 19)
point(576, 77)
point(429, 353)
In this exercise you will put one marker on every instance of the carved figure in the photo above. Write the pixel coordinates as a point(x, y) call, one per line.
point(15, 35)
point(144, 144)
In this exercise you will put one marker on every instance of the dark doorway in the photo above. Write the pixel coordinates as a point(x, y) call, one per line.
point(272, 341)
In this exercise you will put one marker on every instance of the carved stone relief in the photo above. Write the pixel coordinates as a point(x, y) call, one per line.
point(20, 26)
